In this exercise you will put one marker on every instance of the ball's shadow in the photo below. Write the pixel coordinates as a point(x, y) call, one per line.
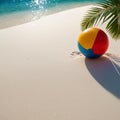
point(106, 73)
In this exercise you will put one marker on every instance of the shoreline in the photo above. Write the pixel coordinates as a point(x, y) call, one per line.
point(22, 17)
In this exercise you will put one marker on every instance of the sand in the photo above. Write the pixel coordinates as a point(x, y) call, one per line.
point(40, 80)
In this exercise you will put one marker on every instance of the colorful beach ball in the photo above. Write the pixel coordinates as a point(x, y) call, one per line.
point(93, 42)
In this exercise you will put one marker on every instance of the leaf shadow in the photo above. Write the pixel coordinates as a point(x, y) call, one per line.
point(106, 72)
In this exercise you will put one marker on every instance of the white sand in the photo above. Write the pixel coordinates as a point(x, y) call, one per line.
point(39, 80)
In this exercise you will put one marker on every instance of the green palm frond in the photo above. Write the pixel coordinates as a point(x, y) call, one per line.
point(92, 18)
point(107, 11)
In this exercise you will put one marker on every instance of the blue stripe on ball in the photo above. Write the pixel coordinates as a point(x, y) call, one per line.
point(88, 53)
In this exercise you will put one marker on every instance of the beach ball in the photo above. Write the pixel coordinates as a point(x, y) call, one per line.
point(93, 42)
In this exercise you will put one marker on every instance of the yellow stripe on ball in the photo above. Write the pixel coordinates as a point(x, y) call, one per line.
point(87, 38)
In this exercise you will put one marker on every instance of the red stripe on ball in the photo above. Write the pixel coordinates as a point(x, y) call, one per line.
point(101, 43)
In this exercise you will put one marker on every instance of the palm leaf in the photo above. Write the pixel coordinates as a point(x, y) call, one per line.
point(113, 27)
point(91, 18)
point(106, 11)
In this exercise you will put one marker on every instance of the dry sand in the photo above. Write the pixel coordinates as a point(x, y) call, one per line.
point(40, 80)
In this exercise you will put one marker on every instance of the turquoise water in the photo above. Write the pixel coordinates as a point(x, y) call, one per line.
point(16, 12)
point(11, 6)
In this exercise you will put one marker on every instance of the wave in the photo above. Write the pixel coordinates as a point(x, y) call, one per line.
point(10, 6)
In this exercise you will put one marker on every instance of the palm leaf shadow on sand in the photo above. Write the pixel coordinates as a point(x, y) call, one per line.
point(106, 71)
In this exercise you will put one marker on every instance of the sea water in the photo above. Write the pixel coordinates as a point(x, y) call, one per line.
point(10, 6)
point(15, 12)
